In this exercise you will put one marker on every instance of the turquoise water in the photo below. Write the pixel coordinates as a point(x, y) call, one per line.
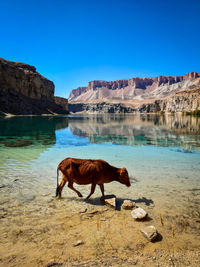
point(161, 154)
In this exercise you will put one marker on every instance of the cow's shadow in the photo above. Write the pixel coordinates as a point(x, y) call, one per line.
point(119, 201)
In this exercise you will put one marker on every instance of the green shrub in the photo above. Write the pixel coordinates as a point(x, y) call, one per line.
point(195, 113)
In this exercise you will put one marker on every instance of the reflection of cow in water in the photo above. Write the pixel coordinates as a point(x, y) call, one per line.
point(89, 171)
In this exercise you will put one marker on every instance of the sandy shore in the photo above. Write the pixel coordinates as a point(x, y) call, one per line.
point(108, 237)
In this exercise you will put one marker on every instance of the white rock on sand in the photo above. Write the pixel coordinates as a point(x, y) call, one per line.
point(111, 202)
point(138, 214)
point(128, 205)
point(149, 232)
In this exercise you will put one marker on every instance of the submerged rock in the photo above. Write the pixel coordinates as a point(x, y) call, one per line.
point(138, 214)
point(149, 232)
point(18, 143)
point(128, 205)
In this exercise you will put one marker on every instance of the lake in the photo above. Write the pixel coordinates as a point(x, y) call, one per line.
point(160, 152)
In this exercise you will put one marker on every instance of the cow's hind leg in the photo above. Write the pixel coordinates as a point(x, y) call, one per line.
point(60, 187)
point(92, 191)
point(70, 185)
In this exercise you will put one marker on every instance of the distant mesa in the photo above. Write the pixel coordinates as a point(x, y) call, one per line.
point(138, 94)
point(135, 88)
point(24, 91)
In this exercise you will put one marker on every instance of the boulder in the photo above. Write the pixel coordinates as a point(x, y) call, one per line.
point(149, 232)
point(138, 214)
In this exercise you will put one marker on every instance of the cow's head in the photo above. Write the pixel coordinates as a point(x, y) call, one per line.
point(123, 177)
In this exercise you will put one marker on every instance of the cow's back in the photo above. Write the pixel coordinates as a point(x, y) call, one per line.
point(87, 171)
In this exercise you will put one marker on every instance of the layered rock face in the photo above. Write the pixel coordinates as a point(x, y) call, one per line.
point(24, 79)
point(24, 91)
point(100, 108)
point(187, 100)
point(135, 88)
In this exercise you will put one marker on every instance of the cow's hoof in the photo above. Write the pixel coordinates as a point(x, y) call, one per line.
point(80, 195)
point(102, 199)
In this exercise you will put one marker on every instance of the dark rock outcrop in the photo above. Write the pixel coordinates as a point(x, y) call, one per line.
point(25, 91)
point(102, 107)
point(61, 101)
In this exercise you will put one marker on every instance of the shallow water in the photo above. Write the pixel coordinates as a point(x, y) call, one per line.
point(161, 154)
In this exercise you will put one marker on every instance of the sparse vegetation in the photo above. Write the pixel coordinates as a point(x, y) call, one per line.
point(195, 113)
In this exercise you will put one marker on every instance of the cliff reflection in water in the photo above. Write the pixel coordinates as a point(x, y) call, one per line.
point(33, 134)
point(172, 130)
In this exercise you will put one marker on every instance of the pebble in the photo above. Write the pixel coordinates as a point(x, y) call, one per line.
point(138, 214)
point(149, 232)
point(83, 210)
point(52, 263)
point(91, 212)
point(128, 205)
point(111, 202)
point(78, 243)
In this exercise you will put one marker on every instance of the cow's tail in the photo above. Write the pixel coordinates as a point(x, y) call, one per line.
point(57, 188)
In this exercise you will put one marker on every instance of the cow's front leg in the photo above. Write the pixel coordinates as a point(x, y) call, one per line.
point(70, 185)
point(92, 191)
point(102, 191)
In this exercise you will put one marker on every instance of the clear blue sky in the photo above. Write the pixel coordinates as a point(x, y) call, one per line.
point(72, 42)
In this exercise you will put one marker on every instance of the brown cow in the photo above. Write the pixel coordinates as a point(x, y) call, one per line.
point(89, 171)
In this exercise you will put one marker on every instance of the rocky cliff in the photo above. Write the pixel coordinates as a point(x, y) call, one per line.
point(186, 100)
point(100, 108)
point(63, 102)
point(163, 93)
point(135, 88)
point(24, 91)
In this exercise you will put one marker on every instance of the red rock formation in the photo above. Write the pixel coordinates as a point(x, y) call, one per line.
point(130, 88)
